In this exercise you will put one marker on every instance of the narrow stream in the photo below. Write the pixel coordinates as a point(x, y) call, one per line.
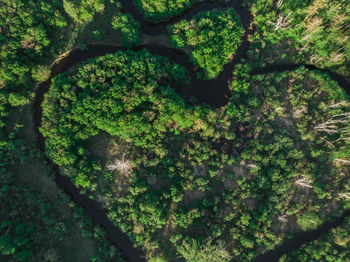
point(301, 239)
point(213, 92)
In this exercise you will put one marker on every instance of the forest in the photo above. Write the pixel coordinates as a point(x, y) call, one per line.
point(213, 37)
point(110, 129)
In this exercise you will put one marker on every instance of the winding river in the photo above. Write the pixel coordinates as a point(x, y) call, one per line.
point(213, 92)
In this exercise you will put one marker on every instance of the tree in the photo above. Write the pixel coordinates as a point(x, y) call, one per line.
point(17, 99)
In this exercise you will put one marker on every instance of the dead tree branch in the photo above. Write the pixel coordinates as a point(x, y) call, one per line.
point(282, 22)
point(122, 165)
point(283, 218)
point(342, 161)
point(303, 182)
point(334, 125)
point(279, 3)
point(344, 195)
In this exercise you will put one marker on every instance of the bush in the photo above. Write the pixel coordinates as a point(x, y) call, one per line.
point(309, 221)
point(41, 73)
point(17, 99)
point(129, 29)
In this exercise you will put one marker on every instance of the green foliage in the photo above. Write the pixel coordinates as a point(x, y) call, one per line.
point(35, 225)
point(181, 178)
point(213, 36)
point(41, 73)
point(215, 252)
point(333, 247)
point(129, 28)
point(162, 10)
point(191, 251)
point(309, 221)
point(83, 11)
point(104, 251)
point(199, 180)
point(119, 114)
point(17, 99)
point(312, 32)
point(325, 32)
point(188, 249)
point(281, 113)
point(30, 27)
point(29, 225)
point(97, 34)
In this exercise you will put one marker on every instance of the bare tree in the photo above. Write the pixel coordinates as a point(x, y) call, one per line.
point(122, 165)
point(316, 59)
point(338, 124)
point(282, 22)
point(303, 182)
point(8, 230)
point(337, 56)
point(312, 26)
point(279, 3)
point(342, 161)
point(341, 103)
point(344, 195)
point(283, 218)
point(251, 166)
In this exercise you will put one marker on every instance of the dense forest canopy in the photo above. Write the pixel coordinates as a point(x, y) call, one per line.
point(185, 181)
point(83, 10)
point(162, 10)
point(28, 31)
point(39, 222)
point(314, 32)
point(212, 36)
point(262, 182)
point(104, 96)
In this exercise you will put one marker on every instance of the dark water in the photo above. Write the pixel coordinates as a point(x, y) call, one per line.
point(161, 28)
point(303, 238)
point(92, 209)
point(213, 92)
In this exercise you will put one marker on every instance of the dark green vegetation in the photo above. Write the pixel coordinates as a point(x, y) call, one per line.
point(333, 246)
point(186, 182)
point(129, 29)
point(252, 192)
point(83, 10)
point(291, 157)
point(31, 29)
point(213, 38)
point(37, 220)
point(162, 10)
point(32, 228)
point(314, 32)
point(124, 94)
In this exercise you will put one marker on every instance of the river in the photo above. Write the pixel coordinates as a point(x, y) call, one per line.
point(212, 92)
